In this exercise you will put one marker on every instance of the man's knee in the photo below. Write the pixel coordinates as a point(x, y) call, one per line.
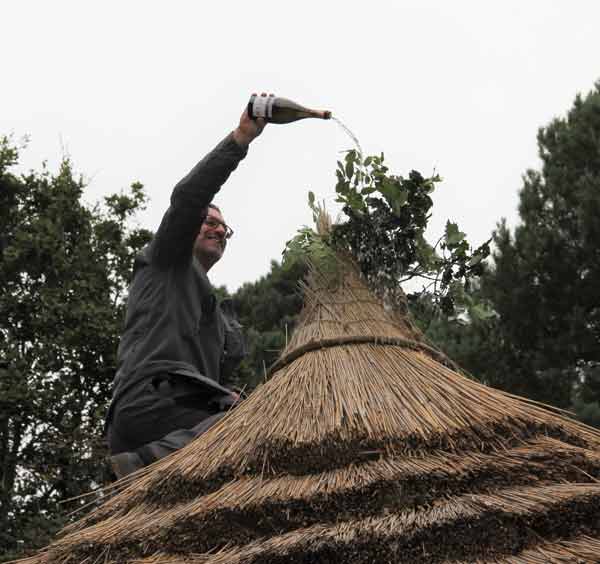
point(125, 463)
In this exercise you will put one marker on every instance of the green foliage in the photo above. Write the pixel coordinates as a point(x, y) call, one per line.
point(308, 245)
point(469, 339)
point(384, 230)
point(64, 271)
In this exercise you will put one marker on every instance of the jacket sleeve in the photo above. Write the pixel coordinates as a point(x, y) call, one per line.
point(174, 241)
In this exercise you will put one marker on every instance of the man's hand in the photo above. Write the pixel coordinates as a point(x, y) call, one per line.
point(248, 129)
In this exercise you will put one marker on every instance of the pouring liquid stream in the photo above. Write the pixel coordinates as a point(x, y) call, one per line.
point(359, 150)
point(348, 132)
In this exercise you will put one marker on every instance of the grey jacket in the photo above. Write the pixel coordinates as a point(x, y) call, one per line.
point(174, 323)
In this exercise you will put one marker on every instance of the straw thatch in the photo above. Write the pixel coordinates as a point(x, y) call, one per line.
point(366, 445)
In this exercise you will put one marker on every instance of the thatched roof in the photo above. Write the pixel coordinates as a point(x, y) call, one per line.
point(366, 445)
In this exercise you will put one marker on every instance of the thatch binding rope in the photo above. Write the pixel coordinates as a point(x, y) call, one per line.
point(411, 344)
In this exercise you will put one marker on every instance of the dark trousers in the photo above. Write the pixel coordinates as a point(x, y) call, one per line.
point(161, 415)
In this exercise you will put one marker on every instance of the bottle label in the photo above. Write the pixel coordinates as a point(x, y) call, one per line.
point(263, 107)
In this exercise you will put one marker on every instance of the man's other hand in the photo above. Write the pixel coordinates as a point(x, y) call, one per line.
point(248, 129)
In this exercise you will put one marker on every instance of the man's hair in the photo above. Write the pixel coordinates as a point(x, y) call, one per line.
point(205, 211)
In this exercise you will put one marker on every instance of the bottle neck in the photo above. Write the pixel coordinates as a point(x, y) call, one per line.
point(322, 114)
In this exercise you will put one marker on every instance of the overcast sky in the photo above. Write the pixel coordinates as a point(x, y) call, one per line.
point(134, 90)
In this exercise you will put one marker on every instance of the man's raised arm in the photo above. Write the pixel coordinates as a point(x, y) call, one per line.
point(174, 241)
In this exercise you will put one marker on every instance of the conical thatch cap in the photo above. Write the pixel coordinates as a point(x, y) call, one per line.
point(365, 446)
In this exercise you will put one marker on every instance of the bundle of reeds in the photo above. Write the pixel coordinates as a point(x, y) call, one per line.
point(366, 445)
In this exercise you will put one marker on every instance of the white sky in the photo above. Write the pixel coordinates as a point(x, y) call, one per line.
point(136, 90)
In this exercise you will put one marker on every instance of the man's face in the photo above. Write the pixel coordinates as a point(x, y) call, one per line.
point(210, 242)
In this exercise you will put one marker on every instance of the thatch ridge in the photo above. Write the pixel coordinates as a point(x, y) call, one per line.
point(284, 505)
point(342, 305)
point(472, 527)
point(335, 454)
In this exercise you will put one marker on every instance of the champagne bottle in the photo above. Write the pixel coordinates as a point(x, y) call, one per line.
point(281, 110)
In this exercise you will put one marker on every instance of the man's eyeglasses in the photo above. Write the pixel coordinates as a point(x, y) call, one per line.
point(213, 223)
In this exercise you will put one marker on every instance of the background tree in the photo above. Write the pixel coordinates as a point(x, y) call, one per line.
point(543, 283)
point(64, 271)
point(267, 309)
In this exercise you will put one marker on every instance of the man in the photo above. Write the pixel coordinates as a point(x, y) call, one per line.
point(179, 344)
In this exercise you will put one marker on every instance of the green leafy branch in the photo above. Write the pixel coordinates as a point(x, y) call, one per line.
point(384, 230)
